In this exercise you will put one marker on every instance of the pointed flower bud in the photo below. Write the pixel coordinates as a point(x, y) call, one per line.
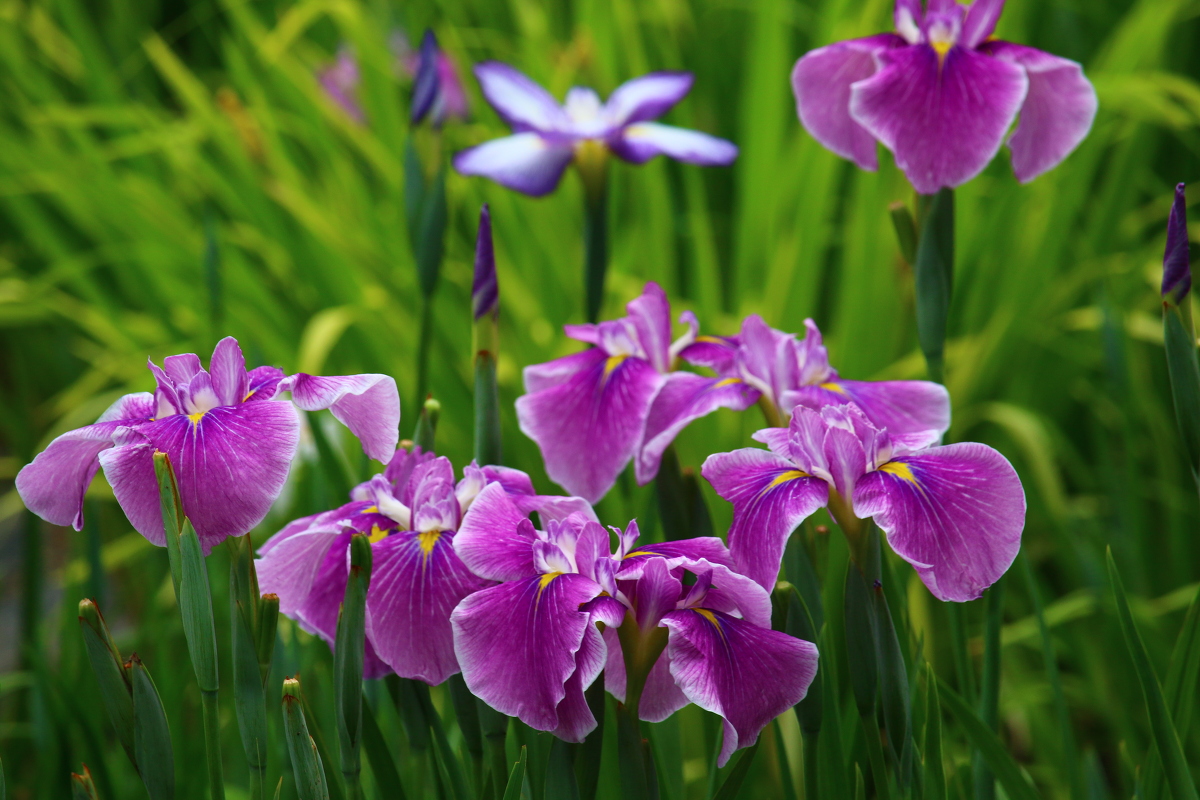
point(485, 290)
point(306, 762)
point(110, 672)
point(1177, 273)
point(82, 787)
point(425, 88)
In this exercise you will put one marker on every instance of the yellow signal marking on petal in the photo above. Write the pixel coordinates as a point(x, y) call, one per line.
point(427, 540)
point(639, 553)
point(377, 534)
point(709, 339)
point(901, 471)
point(249, 394)
point(611, 363)
point(941, 47)
point(726, 382)
point(784, 477)
point(371, 510)
point(195, 418)
point(708, 615)
point(833, 387)
point(544, 581)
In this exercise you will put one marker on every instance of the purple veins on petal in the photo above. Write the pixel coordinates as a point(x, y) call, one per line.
point(495, 539)
point(1177, 270)
point(416, 581)
point(918, 95)
point(54, 483)
point(368, 404)
point(955, 513)
point(517, 645)
point(770, 497)
point(1057, 113)
point(745, 673)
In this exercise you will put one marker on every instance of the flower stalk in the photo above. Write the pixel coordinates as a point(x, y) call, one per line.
point(933, 271)
point(1179, 335)
point(348, 663)
point(190, 576)
point(306, 761)
point(246, 637)
point(591, 158)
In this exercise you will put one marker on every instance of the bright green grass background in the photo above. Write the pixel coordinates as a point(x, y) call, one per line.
point(171, 173)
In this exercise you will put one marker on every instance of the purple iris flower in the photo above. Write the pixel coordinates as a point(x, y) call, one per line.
point(230, 437)
point(784, 372)
point(941, 94)
point(954, 512)
point(547, 136)
point(590, 412)
point(410, 512)
point(340, 82)
point(1177, 268)
point(530, 646)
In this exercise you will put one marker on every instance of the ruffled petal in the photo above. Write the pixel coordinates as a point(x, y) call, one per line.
point(944, 119)
point(293, 559)
point(821, 82)
point(642, 141)
point(519, 101)
point(685, 397)
point(747, 674)
point(495, 539)
point(770, 497)
point(647, 97)
point(589, 426)
point(523, 162)
point(955, 513)
point(650, 316)
point(368, 404)
point(517, 644)
point(54, 483)
point(1058, 111)
point(575, 718)
point(231, 464)
point(263, 383)
point(902, 407)
point(415, 584)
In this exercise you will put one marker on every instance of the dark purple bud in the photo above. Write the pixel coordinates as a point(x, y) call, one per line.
point(1177, 272)
point(485, 290)
point(425, 88)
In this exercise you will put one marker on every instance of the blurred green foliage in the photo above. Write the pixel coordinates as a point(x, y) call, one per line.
point(171, 172)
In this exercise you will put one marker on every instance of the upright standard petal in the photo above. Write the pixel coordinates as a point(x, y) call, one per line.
point(231, 463)
point(650, 317)
point(642, 141)
point(517, 99)
point(495, 539)
point(54, 483)
point(416, 581)
point(1177, 265)
point(517, 644)
point(955, 513)
point(524, 162)
point(589, 426)
point(980, 22)
point(1058, 111)
point(943, 118)
point(230, 381)
point(747, 674)
point(647, 97)
point(770, 497)
point(821, 82)
point(368, 404)
point(685, 397)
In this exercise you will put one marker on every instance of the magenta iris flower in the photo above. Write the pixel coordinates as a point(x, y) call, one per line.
point(411, 512)
point(941, 94)
point(954, 512)
point(230, 437)
point(530, 646)
point(589, 412)
point(547, 136)
point(625, 398)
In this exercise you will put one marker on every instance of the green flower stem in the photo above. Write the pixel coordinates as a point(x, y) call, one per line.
point(989, 693)
point(592, 162)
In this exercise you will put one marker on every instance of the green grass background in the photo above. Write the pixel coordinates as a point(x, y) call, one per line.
point(171, 173)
